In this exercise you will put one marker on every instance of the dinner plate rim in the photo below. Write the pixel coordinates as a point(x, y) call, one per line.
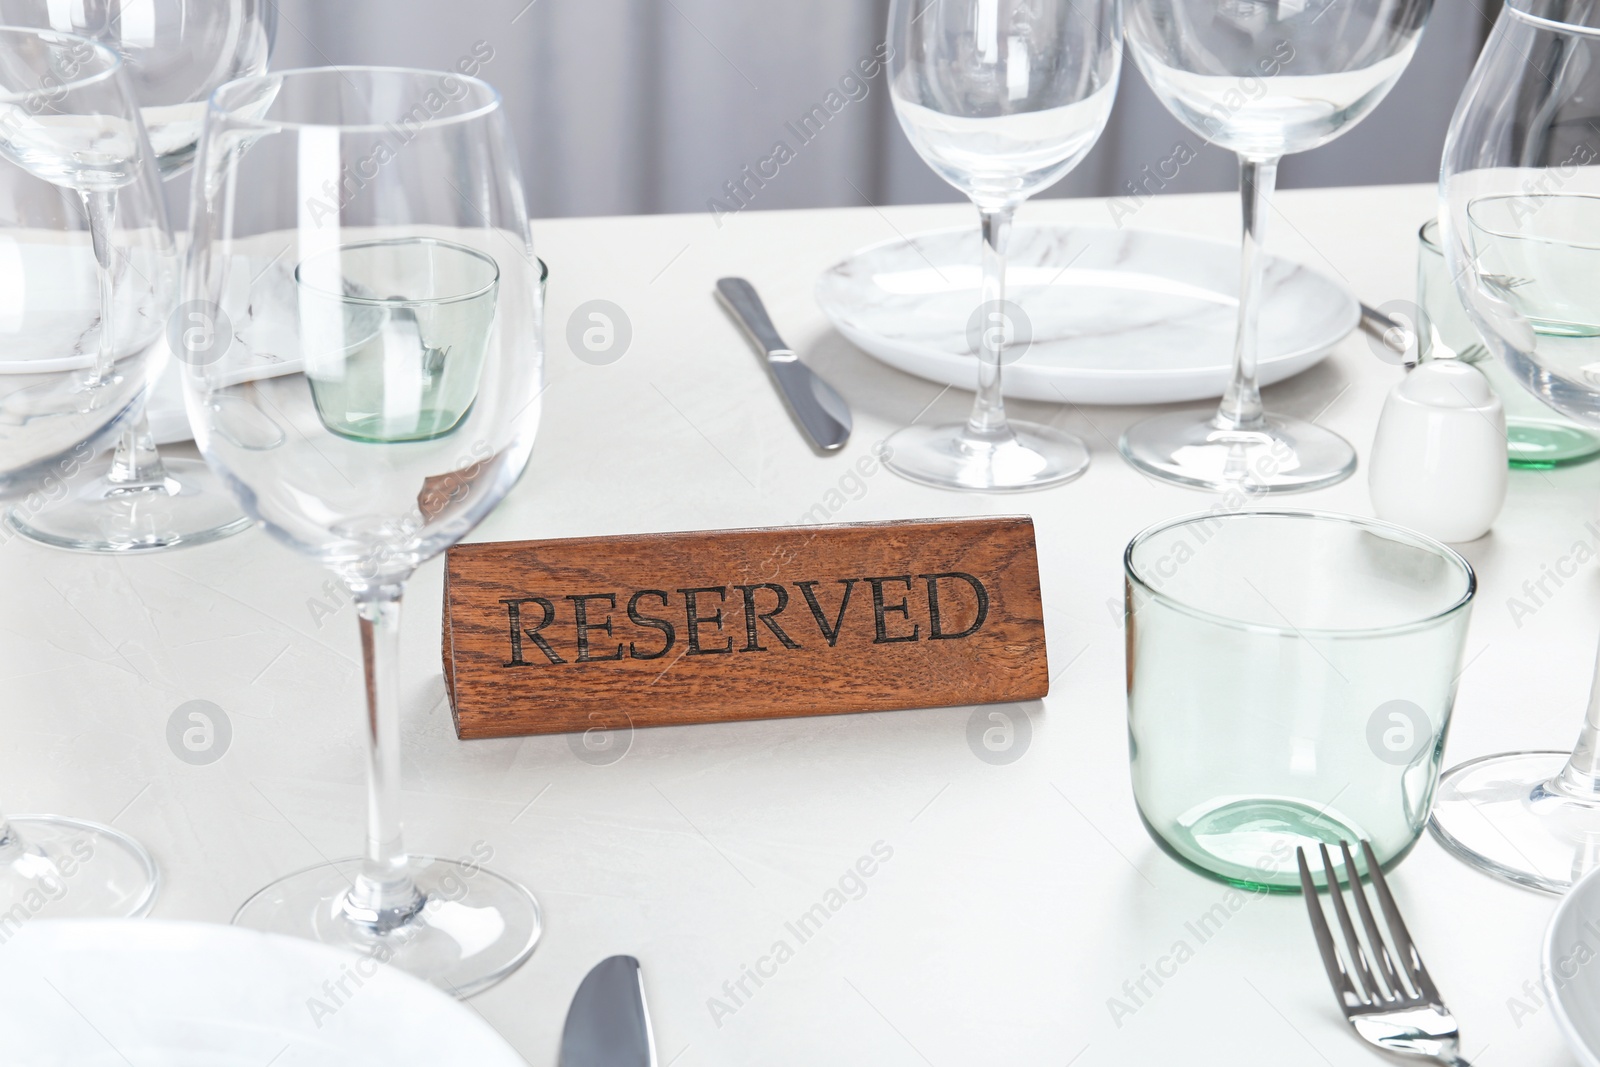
point(115, 934)
point(1183, 380)
point(1575, 1041)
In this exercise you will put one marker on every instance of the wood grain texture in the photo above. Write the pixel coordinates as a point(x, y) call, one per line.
point(562, 636)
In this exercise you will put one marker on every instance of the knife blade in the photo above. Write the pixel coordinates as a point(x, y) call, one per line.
point(608, 1024)
point(816, 405)
point(1393, 334)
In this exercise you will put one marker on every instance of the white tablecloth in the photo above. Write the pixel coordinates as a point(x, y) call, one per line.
point(1015, 911)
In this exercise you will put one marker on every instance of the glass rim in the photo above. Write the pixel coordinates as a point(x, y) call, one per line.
point(403, 302)
point(111, 58)
point(1419, 540)
point(1495, 231)
point(1432, 244)
point(215, 104)
point(1550, 23)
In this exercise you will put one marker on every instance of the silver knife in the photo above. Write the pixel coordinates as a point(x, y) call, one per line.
point(608, 1024)
point(1393, 334)
point(816, 405)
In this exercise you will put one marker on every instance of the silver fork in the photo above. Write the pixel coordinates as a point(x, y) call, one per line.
point(1399, 1014)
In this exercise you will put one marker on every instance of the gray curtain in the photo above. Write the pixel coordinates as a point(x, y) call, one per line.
point(635, 106)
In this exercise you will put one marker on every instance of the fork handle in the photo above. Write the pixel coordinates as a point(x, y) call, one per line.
point(1454, 1061)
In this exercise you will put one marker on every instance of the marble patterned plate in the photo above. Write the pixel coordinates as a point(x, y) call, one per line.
point(56, 335)
point(1116, 316)
point(169, 419)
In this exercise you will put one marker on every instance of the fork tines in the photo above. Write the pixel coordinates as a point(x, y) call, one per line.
point(1361, 987)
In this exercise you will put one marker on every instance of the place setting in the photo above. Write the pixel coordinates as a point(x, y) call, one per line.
point(339, 353)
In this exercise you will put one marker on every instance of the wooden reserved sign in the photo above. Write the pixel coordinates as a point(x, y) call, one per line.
point(546, 637)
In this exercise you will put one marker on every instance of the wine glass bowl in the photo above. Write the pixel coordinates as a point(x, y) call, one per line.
point(1002, 101)
point(1002, 112)
point(1519, 198)
point(221, 42)
point(95, 144)
point(351, 307)
point(175, 54)
point(1269, 86)
point(1264, 81)
point(360, 234)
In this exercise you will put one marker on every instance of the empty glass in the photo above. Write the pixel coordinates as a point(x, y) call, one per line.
point(365, 233)
point(1263, 80)
point(1002, 100)
point(83, 297)
point(1290, 681)
point(1520, 211)
point(1537, 436)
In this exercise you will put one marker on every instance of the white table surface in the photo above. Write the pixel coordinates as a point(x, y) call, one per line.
point(1019, 899)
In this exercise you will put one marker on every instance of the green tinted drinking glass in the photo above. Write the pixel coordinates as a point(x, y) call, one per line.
point(396, 333)
point(1537, 436)
point(1290, 681)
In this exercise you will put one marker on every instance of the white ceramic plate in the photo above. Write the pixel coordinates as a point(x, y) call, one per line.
point(1572, 968)
point(1117, 316)
point(106, 993)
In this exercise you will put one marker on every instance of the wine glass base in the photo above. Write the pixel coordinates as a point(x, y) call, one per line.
point(1285, 455)
point(191, 508)
point(475, 928)
point(61, 868)
point(1026, 458)
point(1497, 814)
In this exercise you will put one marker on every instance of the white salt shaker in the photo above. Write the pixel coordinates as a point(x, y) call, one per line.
point(1439, 463)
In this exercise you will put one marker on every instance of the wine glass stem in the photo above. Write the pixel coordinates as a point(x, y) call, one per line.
point(101, 210)
point(1241, 404)
point(383, 896)
point(988, 418)
point(137, 465)
point(1581, 776)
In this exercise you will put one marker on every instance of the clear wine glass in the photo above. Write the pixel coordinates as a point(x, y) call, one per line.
point(1520, 223)
point(175, 54)
point(1002, 99)
point(364, 231)
point(70, 139)
point(1262, 80)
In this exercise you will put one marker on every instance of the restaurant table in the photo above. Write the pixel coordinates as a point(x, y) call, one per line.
point(1017, 912)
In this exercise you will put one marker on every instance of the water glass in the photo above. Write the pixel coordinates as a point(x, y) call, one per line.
point(1537, 436)
point(1290, 681)
point(400, 328)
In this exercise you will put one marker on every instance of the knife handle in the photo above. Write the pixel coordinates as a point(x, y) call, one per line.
point(740, 297)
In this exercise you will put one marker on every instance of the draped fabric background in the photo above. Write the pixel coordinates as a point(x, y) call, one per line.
point(635, 106)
